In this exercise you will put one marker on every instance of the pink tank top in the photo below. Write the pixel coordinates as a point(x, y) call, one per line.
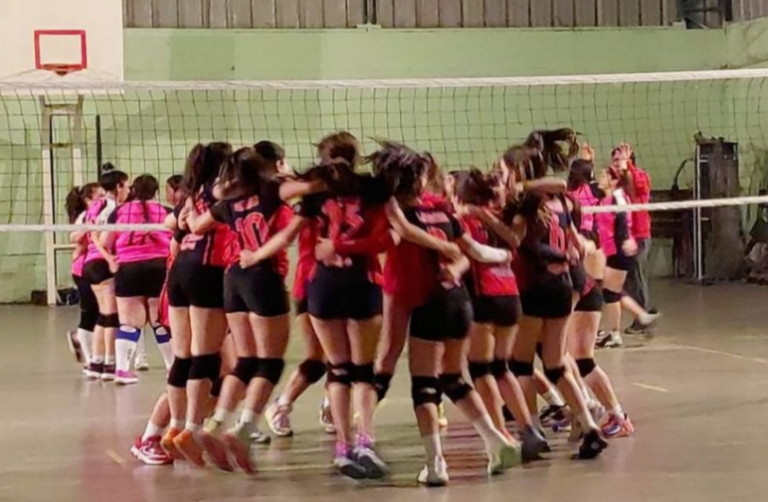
point(141, 245)
point(78, 256)
point(586, 198)
point(97, 214)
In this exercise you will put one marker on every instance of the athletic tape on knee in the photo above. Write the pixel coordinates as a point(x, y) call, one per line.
point(179, 372)
point(586, 366)
point(128, 333)
point(520, 369)
point(381, 382)
point(340, 374)
point(270, 369)
point(245, 369)
point(205, 367)
point(111, 321)
point(454, 386)
point(162, 335)
point(554, 374)
point(479, 369)
point(611, 296)
point(363, 373)
point(88, 320)
point(499, 368)
point(312, 370)
point(425, 390)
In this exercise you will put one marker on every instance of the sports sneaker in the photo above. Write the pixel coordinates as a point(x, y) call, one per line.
point(279, 420)
point(94, 371)
point(237, 441)
point(168, 445)
point(434, 473)
point(550, 414)
point(216, 450)
point(108, 373)
point(126, 377)
point(150, 452)
point(326, 419)
point(74, 346)
point(366, 456)
point(186, 444)
point(346, 463)
point(616, 427)
point(505, 457)
point(533, 445)
point(141, 362)
point(592, 446)
point(611, 341)
point(442, 420)
point(258, 437)
point(635, 329)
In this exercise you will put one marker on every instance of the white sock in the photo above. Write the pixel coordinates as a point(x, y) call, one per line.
point(125, 346)
point(283, 401)
point(617, 411)
point(85, 338)
point(249, 420)
point(552, 397)
point(492, 438)
point(164, 345)
point(177, 424)
point(193, 427)
point(221, 415)
point(97, 359)
point(141, 348)
point(152, 430)
point(433, 446)
point(326, 402)
point(109, 359)
point(586, 420)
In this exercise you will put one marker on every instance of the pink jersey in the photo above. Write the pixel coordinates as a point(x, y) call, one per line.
point(141, 245)
point(613, 228)
point(78, 255)
point(97, 214)
point(585, 196)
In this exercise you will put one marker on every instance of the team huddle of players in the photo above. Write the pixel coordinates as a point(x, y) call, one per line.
point(481, 272)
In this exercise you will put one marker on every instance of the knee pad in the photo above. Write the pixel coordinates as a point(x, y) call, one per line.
point(425, 390)
point(270, 369)
point(454, 386)
point(111, 321)
point(363, 373)
point(479, 369)
point(205, 367)
point(179, 372)
point(128, 333)
point(586, 366)
point(381, 382)
point(88, 320)
point(245, 369)
point(312, 370)
point(216, 387)
point(539, 349)
point(340, 373)
point(611, 296)
point(499, 368)
point(162, 335)
point(554, 374)
point(520, 369)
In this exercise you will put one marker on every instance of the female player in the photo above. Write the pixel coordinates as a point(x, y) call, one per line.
point(439, 325)
point(80, 342)
point(196, 312)
point(141, 257)
point(496, 308)
point(99, 270)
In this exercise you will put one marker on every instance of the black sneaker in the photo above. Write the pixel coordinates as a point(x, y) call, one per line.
point(635, 329)
point(108, 374)
point(94, 371)
point(592, 446)
point(534, 445)
point(550, 414)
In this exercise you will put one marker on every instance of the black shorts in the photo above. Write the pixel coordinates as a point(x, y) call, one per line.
point(196, 285)
point(301, 306)
point(343, 293)
point(257, 290)
point(501, 311)
point(97, 271)
point(620, 261)
point(578, 277)
point(89, 306)
point(550, 298)
point(140, 278)
point(447, 315)
point(593, 301)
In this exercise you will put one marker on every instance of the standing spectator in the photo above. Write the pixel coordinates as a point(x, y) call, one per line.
point(637, 278)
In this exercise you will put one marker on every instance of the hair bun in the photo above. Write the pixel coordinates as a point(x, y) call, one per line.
point(108, 168)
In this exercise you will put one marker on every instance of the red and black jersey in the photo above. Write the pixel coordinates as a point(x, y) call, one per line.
point(490, 279)
point(305, 263)
point(213, 247)
point(254, 219)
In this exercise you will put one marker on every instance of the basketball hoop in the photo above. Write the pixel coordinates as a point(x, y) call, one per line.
point(61, 70)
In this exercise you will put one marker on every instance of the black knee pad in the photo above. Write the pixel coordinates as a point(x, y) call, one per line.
point(499, 368)
point(246, 368)
point(340, 373)
point(363, 373)
point(216, 387)
point(179, 372)
point(539, 349)
point(425, 390)
point(101, 320)
point(270, 369)
point(478, 369)
point(381, 382)
point(88, 320)
point(454, 386)
point(586, 366)
point(111, 321)
point(520, 369)
point(554, 374)
point(205, 367)
point(611, 296)
point(312, 370)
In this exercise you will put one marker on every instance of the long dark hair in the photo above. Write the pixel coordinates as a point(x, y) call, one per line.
point(144, 188)
point(338, 176)
point(204, 163)
point(475, 188)
point(400, 168)
point(175, 181)
point(76, 201)
point(339, 145)
point(270, 152)
point(541, 150)
point(111, 178)
point(245, 173)
point(581, 173)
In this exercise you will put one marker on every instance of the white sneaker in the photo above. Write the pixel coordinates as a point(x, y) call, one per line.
point(434, 473)
point(258, 437)
point(141, 362)
point(610, 341)
point(279, 420)
point(505, 457)
point(326, 419)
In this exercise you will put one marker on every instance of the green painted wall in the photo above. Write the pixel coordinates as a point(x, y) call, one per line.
point(150, 132)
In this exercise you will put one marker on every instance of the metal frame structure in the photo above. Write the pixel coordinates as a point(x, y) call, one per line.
point(696, 14)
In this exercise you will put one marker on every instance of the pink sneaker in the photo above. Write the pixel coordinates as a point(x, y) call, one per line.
point(617, 427)
point(125, 377)
point(150, 452)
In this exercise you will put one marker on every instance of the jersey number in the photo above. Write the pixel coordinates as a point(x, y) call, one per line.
point(253, 230)
point(344, 220)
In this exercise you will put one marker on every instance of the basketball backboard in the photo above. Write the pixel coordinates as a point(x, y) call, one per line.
point(47, 39)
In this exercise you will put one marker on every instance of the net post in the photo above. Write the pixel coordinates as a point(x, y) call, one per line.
point(46, 131)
